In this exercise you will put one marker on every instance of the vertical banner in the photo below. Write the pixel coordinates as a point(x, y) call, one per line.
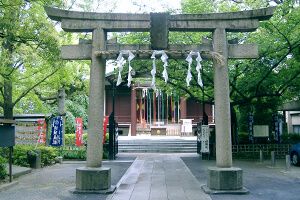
point(42, 128)
point(56, 131)
point(205, 139)
point(250, 127)
point(79, 132)
point(105, 123)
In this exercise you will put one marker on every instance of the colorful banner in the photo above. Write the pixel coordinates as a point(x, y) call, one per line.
point(79, 132)
point(56, 132)
point(105, 123)
point(42, 129)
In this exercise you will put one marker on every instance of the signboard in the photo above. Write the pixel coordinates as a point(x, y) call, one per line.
point(56, 132)
point(186, 126)
point(205, 139)
point(79, 132)
point(42, 128)
point(7, 136)
point(261, 131)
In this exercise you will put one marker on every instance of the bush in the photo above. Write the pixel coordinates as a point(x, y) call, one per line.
point(78, 153)
point(290, 138)
point(48, 154)
point(20, 155)
point(3, 172)
point(70, 139)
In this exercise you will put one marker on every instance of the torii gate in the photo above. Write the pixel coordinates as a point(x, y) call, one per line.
point(95, 178)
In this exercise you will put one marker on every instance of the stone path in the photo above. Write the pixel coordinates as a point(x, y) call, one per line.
point(159, 177)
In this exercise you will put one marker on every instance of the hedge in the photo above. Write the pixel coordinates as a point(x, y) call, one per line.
point(48, 155)
point(3, 172)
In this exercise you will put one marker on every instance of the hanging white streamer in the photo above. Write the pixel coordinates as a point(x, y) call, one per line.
point(145, 92)
point(164, 59)
point(189, 59)
point(156, 92)
point(121, 61)
point(198, 68)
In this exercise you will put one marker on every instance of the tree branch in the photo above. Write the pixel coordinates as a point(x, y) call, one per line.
point(286, 85)
point(37, 93)
point(33, 86)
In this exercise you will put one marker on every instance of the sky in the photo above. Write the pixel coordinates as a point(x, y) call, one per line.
point(133, 6)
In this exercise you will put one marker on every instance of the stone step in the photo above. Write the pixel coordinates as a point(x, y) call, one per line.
point(158, 144)
point(158, 150)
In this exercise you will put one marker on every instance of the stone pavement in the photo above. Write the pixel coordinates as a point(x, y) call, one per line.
point(158, 177)
point(56, 182)
point(19, 171)
point(263, 181)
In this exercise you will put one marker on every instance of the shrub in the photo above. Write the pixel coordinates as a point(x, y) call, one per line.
point(70, 139)
point(20, 155)
point(3, 172)
point(78, 153)
point(290, 138)
point(48, 154)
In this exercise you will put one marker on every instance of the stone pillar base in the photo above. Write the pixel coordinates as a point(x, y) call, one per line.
point(93, 180)
point(225, 181)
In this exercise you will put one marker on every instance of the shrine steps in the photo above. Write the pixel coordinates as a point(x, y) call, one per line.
point(157, 145)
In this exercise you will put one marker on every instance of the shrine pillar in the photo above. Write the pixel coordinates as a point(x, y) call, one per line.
point(133, 112)
point(183, 113)
point(94, 177)
point(223, 177)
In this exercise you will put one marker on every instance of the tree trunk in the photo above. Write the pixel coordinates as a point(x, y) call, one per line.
point(234, 129)
point(8, 103)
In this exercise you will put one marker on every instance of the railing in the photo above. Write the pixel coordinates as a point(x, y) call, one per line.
point(280, 149)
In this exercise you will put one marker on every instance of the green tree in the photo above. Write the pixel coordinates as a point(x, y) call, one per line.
point(29, 50)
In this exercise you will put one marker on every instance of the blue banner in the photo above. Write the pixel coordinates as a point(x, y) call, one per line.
point(56, 132)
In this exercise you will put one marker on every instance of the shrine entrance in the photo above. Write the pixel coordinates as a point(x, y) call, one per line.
point(157, 112)
point(223, 177)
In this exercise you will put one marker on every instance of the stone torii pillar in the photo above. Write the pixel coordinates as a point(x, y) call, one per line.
point(223, 177)
point(94, 177)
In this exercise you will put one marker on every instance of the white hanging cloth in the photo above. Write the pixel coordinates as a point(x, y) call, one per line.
point(144, 92)
point(121, 61)
point(164, 59)
point(189, 59)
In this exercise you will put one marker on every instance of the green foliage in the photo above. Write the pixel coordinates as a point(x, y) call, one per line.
point(290, 138)
point(76, 153)
point(20, 155)
point(243, 138)
point(3, 172)
point(70, 139)
point(48, 154)
point(70, 151)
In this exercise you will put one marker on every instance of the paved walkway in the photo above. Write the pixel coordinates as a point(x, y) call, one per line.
point(159, 177)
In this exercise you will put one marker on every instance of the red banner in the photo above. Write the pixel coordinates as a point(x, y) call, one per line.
point(79, 132)
point(105, 122)
point(42, 128)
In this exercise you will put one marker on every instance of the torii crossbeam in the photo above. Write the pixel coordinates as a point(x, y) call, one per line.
point(223, 177)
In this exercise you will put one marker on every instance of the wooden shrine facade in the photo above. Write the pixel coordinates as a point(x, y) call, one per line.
point(134, 107)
